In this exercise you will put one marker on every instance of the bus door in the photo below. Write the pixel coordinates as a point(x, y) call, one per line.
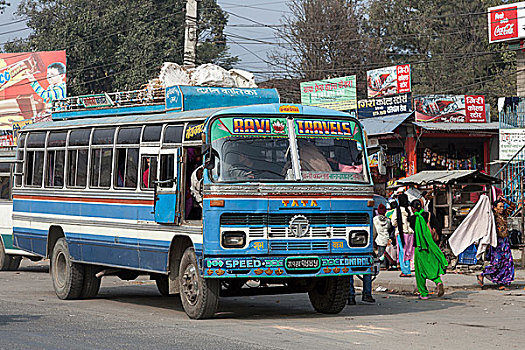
point(167, 187)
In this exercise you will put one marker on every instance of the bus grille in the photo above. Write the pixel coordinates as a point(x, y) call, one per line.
point(284, 219)
point(299, 245)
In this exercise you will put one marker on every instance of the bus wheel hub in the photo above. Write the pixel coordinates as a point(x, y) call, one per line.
point(190, 284)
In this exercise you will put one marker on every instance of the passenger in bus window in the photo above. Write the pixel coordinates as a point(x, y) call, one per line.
point(145, 174)
point(312, 159)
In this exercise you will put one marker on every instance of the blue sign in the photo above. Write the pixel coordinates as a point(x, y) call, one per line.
point(381, 107)
point(187, 98)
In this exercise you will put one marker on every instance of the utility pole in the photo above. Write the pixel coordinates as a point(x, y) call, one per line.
point(190, 33)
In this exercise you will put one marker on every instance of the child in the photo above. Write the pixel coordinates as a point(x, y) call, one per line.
point(56, 77)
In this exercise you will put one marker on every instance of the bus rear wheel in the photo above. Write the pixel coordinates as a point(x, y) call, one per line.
point(8, 262)
point(330, 294)
point(67, 276)
point(91, 283)
point(199, 296)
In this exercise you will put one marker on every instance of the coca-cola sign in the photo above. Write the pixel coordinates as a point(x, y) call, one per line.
point(506, 22)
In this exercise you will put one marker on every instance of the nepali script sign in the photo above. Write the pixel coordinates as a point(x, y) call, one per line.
point(337, 93)
point(388, 81)
point(381, 107)
point(510, 142)
point(450, 108)
point(506, 22)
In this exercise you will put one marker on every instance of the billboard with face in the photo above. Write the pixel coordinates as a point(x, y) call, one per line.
point(29, 82)
point(388, 81)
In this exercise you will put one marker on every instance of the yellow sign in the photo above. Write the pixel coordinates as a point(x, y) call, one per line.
point(17, 126)
point(288, 109)
point(299, 203)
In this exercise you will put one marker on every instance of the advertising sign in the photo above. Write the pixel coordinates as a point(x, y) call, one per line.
point(510, 142)
point(450, 109)
point(388, 81)
point(29, 82)
point(506, 22)
point(338, 93)
point(380, 107)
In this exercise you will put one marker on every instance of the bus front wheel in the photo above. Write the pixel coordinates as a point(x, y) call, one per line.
point(199, 296)
point(329, 295)
point(8, 262)
point(67, 276)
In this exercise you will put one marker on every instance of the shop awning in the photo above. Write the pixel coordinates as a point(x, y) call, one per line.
point(383, 125)
point(445, 177)
point(468, 127)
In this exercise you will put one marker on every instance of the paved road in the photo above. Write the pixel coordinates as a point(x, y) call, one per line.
point(132, 315)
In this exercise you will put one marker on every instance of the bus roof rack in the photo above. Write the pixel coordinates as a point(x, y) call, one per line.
point(158, 100)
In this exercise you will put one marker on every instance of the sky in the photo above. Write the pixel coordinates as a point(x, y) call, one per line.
point(240, 37)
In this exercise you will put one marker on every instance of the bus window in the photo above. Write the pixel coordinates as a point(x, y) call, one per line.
point(101, 162)
point(173, 134)
point(77, 168)
point(167, 169)
point(35, 166)
point(19, 156)
point(4, 187)
point(129, 136)
point(152, 133)
point(127, 167)
point(55, 168)
point(148, 169)
point(55, 159)
point(79, 137)
point(103, 136)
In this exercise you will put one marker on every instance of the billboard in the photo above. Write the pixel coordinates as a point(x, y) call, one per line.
point(29, 82)
point(381, 107)
point(337, 93)
point(450, 108)
point(506, 22)
point(388, 81)
point(510, 142)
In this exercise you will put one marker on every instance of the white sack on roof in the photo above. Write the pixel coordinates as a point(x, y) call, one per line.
point(212, 75)
point(173, 74)
point(243, 78)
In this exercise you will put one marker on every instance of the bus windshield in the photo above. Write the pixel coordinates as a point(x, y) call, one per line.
point(247, 149)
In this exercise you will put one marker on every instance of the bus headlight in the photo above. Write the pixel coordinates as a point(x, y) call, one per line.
point(358, 238)
point(233, 239)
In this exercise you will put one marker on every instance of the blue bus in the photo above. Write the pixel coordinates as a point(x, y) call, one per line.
point(203, 189)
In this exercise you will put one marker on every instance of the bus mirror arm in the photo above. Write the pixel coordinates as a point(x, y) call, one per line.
point(210, 159)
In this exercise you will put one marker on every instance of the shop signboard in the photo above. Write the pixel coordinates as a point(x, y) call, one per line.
point(506, 22)
point(29, 82)
point(510, 142)
point(385, 106)
point(388, 81)
point(450, 108)
point(337, 93)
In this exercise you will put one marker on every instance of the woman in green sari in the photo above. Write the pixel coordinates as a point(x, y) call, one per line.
point(429, 261)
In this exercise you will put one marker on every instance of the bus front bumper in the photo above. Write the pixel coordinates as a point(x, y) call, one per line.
point(256, 267)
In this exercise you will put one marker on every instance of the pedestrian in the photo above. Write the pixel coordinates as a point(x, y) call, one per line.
point(367, 290)
point(500, 269)
point(429, 261)
point(381, 229)
point(404, 235)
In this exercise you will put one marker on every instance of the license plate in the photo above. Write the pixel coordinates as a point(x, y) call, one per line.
point(303, 263)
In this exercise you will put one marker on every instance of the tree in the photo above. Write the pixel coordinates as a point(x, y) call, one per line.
point(322, 39)
point(119, 45)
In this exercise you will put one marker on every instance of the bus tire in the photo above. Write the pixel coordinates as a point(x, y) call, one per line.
point(199, 296)
point(67, 276)
point(330, 294)
point(8, 262)
point(91, 283)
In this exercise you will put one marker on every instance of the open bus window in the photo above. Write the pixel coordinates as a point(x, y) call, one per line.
point(77, 168)
point(5, 188)
point(101, 161)
point(34, 168)
point(55, 168)
point(323, 159)
point(127, 168)
point(148, 169)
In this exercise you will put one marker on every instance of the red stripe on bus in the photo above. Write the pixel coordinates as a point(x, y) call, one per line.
point(85, 200)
